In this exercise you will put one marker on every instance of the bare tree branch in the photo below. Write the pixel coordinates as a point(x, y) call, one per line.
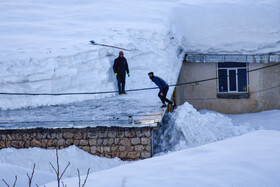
point(58, 176)
point(86, 177)
point(30, 178)
point(15, 181)
point(65, 170)
point(79, 177)
point(5, 182)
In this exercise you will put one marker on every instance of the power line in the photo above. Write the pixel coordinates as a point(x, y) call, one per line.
point(131, 90)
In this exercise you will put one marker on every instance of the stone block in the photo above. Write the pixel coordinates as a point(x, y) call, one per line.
point(76, 142)
point(139, 133)
point(112, 134)
point(103, 134)
point(60, 142)
point(122, 148)
point(105, 141)
point(39, 136)
point(139, 148)
point(18, 136)
point(35, 143)
point(86, 148)
point(8, 143)
point(135, 141)
point(99, 141)
point(15, 144)
point(125, 142)
point(130, 134)
point(68, 135)
point(78, 136)
point(92, 142)
point(93, 149)
point(133, 155)
point(69, 141)
point(2, 144)
point(9, 137)
point(129, 148)
point(83, 142)
point(146, 154)
point(44, 143)
point(59, 135)
point(123, 155)
point(27, 143)
point(51, 136)
point(26, 136)
point(107, 149)
point(50, 143)
point(145, 141)
point(2, 137)
point(147, 133)
point(120, 134)
point(115, 148)
point(116, 141)
point(110, 141)
point(148, 148)
point(92, 135)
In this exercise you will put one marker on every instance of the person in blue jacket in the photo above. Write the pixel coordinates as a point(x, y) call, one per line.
point(163, 88)
point(120, 69)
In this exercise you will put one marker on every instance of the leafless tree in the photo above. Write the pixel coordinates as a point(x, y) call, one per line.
point(57, 171)
point(32, 174)
point(85, 178)
point(8, 184)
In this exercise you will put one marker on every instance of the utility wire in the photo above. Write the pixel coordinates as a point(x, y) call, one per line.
point(131, 90)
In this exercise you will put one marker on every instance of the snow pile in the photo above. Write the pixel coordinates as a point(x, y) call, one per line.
point(186, 127)
point(252, 159)
point(11, 159)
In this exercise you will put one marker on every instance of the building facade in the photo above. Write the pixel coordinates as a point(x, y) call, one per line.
point(230, 84)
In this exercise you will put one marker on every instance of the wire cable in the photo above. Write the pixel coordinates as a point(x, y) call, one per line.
point(131, 90)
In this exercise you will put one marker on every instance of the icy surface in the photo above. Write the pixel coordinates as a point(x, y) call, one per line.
point(131, 110)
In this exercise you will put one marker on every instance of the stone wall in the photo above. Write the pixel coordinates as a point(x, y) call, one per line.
point(125, 143)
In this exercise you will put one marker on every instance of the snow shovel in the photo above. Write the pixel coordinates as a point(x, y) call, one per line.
point(94, 43)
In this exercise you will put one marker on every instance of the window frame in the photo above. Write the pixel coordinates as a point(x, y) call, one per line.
point(229, 66)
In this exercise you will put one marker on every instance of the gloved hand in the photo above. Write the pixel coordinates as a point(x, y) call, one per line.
point(116, 74)
point(128, 74)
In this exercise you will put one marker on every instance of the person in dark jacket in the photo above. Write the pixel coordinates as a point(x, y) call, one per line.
point(120, 69)
point(163, 88)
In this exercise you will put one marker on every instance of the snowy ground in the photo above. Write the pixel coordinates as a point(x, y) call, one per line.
point(203, 152)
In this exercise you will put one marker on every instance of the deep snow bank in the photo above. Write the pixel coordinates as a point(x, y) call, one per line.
point(46, 48)
point(248, 160)
point(228, 26)
point(78, 159)
point(186, 127)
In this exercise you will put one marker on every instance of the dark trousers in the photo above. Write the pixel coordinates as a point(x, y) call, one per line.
point(121, 83)
point(163, 98)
